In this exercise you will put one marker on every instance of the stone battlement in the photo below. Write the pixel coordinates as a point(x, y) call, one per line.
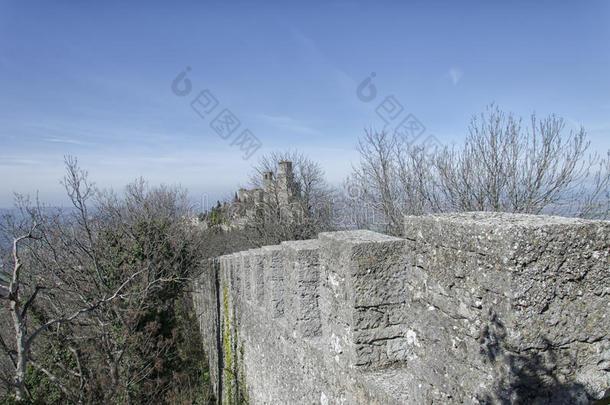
point(467, 308)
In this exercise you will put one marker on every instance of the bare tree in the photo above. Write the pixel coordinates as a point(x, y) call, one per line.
point(392, 179)
point(92, 283)
point(50, 280)
point(502, 166)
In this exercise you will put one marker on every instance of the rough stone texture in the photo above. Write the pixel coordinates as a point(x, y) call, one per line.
point(468, 308)
point(205, 302)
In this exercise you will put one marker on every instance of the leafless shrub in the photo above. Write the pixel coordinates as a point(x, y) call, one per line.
point(502, 166)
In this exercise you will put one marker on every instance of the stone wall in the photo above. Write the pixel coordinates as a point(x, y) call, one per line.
point(467, 308)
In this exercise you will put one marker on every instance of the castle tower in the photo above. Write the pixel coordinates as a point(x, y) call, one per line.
point(267, 181)
point(285, 168)
point(242, 195)
point(287, 188)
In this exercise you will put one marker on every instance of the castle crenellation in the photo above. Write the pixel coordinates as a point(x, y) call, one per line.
point(468, 308)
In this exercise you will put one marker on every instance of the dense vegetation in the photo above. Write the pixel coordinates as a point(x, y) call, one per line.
point(98, 299)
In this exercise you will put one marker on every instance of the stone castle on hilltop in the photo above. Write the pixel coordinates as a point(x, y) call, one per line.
point(283, 193)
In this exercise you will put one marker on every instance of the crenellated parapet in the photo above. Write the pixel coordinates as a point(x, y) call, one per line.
point(467, 308)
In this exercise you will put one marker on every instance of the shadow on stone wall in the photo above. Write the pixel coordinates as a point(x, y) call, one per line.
point(530, 377)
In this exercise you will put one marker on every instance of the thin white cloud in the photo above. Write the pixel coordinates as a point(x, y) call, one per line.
point(455, 75)
point(288, 124)
point(62, 140)
point(7, 161)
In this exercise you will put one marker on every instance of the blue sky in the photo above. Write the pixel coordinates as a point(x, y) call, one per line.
point(93, 79)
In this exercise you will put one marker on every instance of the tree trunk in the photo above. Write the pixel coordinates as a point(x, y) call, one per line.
point(21, 351)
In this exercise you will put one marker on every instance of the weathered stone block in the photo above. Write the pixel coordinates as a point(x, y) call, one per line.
point(274, 277)
point(257, 272)
point(303, 275)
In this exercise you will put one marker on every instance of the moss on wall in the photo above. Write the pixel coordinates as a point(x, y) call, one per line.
point(234, 381)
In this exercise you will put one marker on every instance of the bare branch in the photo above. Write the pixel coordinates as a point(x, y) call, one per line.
point(81, 311)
